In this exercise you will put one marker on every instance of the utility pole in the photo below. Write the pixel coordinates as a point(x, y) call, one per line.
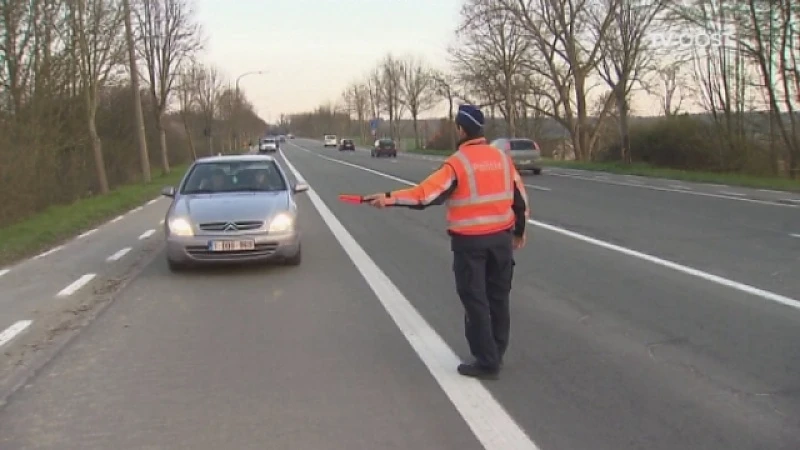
point(144, 158)
point(239, 104)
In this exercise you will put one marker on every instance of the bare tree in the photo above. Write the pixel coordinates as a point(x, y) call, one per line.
point(391, 70)
point(356, 97)
point(418, 91)
point(209, 87)
point(492, 55)
point(566, 53)
point(168, 36)
point(445, 87)
point(141, 136)
point(187, 91)
point(95, 27)
point(627, 55)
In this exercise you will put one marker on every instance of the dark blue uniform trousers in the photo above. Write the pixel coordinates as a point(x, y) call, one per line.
point(483, 275)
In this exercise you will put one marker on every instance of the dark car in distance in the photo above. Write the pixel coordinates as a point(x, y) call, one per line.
point(384, 147)
point(347, 144)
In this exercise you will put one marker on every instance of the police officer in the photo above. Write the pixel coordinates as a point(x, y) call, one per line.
point(487, 209)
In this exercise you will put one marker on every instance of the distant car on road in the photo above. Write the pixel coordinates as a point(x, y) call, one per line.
point(268, 144)
point(347, 144)
point(281, 138)
point(384, 147)
point(330, 140)
point(290, 136)
point(233, 208)
point(525, 152)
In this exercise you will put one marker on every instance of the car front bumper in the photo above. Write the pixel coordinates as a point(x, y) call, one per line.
point(195, 249)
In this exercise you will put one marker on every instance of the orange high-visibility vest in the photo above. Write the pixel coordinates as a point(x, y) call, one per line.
point(481, 202)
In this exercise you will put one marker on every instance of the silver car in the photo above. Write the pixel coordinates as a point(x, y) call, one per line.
point(233, 208)
point(525, 153)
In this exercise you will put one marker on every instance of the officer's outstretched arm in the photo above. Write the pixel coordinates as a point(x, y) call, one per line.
point(433, 190)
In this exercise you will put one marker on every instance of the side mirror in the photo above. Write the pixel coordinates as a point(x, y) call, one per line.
point(168, 191)
point(300, 187)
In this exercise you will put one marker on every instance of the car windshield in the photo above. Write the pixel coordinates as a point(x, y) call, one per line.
point(522, 144)
point(347, 141)
point(330, 136)
point(236, 176)
point(386, 144)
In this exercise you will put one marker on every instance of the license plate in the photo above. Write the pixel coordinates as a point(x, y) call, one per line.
point(231, 246)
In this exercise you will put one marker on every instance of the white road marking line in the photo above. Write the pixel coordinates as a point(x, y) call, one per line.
point(4, 271)
point(48, 253)
point(161, 222)
point(490, 423)
point(75, 285)
point(119, 254)
point(764, 294)
point(679, 191)
point(87, 233)
point(735, 194)
point(117, 219)
point(147, 234)
point(791, 200)
point(151, 201)
point(680, 186)
point(797, 235)
point(540, 188)
point(137, 209)
point(770, 191)
point(13, 331)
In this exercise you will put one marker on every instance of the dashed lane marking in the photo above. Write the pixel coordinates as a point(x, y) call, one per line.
point(13, 331)
point(76, 285)
point(4, 271)
point(147, 234)
point(87, 233)
point(116, 256)
point(48, 253)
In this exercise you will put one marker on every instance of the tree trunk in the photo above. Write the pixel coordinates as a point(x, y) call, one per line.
point(162, 134)
point(416, 129)
point(97, 149)
point(192, 151)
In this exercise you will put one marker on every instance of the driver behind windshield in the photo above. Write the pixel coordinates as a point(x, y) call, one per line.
point(263, 180)
point(216, 182)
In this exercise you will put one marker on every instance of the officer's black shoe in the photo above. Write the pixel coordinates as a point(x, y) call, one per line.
point(476, 371)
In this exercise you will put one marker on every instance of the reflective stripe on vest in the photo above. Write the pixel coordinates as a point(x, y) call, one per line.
point(477, 199)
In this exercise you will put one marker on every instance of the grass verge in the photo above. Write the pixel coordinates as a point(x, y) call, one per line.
point(59, 223)
point(645, 170)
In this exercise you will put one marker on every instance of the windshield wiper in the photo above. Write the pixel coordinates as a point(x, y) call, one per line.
point(200, 191)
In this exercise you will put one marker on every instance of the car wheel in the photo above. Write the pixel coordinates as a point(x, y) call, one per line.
point(295, 259)
point(394, 155)
point(537, 171)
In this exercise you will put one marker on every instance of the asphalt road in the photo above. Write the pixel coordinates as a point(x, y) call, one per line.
point(666, 331)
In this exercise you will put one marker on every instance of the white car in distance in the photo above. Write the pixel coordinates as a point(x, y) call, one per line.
point(330, 140)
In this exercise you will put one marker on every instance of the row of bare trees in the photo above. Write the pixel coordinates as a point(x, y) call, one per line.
point(84, 84)
point(582, 67)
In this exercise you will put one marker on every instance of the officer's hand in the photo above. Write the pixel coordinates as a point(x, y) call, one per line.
point(377, 200)
point(519, 241)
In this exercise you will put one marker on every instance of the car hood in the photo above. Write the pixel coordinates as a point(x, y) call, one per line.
point(238, 206)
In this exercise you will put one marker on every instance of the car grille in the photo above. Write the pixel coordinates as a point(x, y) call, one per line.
point(202, 252)
point(231, 226)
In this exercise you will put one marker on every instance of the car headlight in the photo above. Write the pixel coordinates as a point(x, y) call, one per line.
point(180, 227)
point(281, 223)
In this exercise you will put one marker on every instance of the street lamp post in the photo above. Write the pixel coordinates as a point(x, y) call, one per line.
point(238, 103)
